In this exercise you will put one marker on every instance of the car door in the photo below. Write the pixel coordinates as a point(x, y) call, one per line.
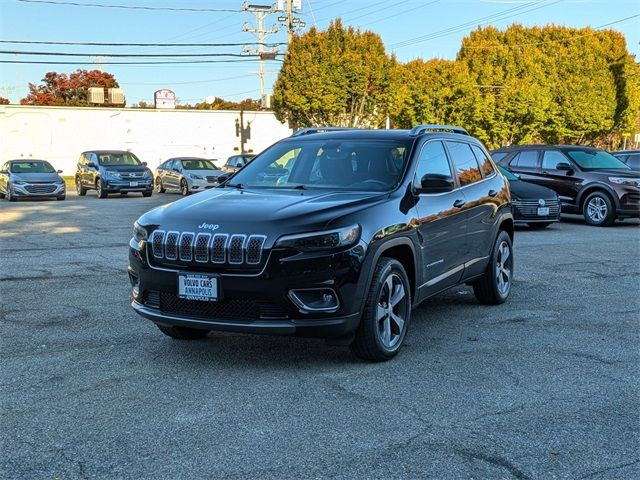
point(168, 176)
point(441, 224)
point(565, 183)
point(82, 169)
point(91, 172)
point(526, 163)
point(4, 177)
point(162, 172)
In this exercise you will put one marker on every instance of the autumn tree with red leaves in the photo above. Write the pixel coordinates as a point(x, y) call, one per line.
point(4, 101)
point(68, 90)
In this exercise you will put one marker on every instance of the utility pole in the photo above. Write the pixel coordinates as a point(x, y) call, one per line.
point(260, 11)
point(289, 21)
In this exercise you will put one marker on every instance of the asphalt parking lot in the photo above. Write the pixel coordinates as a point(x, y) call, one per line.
point(545, 386)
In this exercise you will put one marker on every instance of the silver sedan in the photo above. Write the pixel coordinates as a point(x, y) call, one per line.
point(187, 175)
point(30, 178)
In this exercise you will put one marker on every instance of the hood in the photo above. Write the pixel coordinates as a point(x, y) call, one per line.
point(36, 177)
point(258, 211)
point(203, 173)
point(525, 190)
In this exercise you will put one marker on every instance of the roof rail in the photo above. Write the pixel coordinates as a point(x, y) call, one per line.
point(310, 130)
point(420, 129)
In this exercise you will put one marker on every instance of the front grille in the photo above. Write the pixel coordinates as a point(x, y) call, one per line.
point(221, 248)
point(41, 188)
point(529, 208)
point(212, 179)
point(134, 175)
point(226, 309)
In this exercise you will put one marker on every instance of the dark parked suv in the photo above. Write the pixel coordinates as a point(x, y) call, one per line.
point(358, 228)
point(587, 180)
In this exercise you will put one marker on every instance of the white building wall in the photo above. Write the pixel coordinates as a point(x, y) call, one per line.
point(60, 134)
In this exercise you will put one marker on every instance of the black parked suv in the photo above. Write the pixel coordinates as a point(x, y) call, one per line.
point(587, 180)
point(358, 228)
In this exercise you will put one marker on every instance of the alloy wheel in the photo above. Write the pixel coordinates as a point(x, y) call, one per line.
point(503, 268)
point(159, 185)
point(597, 209)
point(391, 311)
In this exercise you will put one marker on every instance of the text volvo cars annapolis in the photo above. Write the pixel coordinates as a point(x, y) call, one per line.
point(360, 227)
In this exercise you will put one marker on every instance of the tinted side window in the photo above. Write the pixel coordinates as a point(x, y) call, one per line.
point(551, 158)
point(633, 161)
point(497, 156)
point(526, 159)
point(485, 163)
point(464, 162)
point(433, 160)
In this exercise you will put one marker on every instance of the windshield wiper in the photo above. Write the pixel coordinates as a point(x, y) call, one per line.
point(299, 187)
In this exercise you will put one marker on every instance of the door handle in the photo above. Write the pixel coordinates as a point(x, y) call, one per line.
point(459, 203)
point(493, 193)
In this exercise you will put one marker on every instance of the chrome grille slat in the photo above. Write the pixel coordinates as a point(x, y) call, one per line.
point(219, 248)
point(202, 247)
point(171, 245)
point(185, 246)
point(236, 249)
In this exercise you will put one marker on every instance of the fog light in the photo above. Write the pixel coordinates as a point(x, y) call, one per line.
point(315, 299)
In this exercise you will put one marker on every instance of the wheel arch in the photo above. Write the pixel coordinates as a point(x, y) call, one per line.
point(402, 250)
point(597, 187)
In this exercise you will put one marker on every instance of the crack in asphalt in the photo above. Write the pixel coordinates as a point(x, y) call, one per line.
point(608, 469)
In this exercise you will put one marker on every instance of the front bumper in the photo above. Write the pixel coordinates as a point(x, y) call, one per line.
point(114, 185)
point(38, 190)
point(200, 185)
point(255, 302)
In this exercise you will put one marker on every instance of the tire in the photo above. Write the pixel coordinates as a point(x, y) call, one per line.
point(100, 190)
point(10, 196)
point(380, 335)
point(80, 190)
point(159, 187)
point(61, 197)
point(494, 286)
point(539, 226)
point(183, 333)
point(184, 187)
point(124, 193)
point(598, 209)
point(147, 194)
point(2, 195)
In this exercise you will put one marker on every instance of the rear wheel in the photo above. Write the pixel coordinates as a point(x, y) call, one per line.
point(100, 189)
point(494, 286)
point(80, 190)
point(598, 210)
point(539, 226)
point(386, 313)
point(61, 197)
point(159, 187)
point(184, 187)
point(183, 333)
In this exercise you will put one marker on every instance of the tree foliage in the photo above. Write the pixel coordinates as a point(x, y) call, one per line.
point(222, 104)
point(340, 76)
point(4, 101)
point(68, 90)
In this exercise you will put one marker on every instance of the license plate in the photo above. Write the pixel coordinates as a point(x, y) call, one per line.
point(133, 184)
point(198, 287)
point(543, 211)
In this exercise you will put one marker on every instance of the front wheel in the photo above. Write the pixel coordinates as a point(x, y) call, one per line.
point(61, 197)
point(183, 333)
point(494, 286)
point(184, 187)
point(598, 210)
point(10, 195)
point(386, 313)
point(80, 190)
point(147, 194)
point(100, 189)
point(159, 187)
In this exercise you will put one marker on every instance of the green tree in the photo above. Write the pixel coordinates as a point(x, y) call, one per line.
point(340, 76)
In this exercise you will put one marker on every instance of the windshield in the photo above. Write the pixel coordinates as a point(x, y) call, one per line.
point(32, 167)
point(118, 158)
point(510, 176)
point(358, 165)
point(596, 160)
point(197, 164)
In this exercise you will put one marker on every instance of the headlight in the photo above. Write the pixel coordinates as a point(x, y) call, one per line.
point(19, 182)
point(195, 177)
point(111, 173)
point(139, 232)
point(634, 182)
point(331, 239)
point(147, 174)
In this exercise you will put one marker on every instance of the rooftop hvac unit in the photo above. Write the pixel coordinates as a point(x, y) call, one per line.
point(115, 96)
point(265, 101)
point(96, 95)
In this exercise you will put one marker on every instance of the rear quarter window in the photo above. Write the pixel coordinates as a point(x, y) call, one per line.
point(525, 159)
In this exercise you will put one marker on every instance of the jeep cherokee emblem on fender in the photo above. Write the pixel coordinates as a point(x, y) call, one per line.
point(209, 226)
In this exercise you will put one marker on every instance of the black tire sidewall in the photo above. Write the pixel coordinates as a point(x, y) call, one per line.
point(184, 187)
point(608, 219)
point(502, 236)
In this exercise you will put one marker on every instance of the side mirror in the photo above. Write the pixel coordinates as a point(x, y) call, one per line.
point(92, 165)
point(175, 169)
point(564, 166)
point(144, 164)
point(58, 171)
point(4, 172)
point(239, 164)
point(223, 178)
point(435, 183)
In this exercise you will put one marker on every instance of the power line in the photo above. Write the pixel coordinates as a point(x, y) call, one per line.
point(129, 55)
point(177, 62)
point(130, 7)
point(110, 44)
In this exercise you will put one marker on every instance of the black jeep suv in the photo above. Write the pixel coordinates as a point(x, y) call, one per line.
point(336, 235)
point(587, 180)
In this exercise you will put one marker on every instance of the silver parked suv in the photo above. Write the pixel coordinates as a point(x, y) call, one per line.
point(186, 174)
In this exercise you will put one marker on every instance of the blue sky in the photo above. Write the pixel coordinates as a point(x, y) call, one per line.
point(411, 28)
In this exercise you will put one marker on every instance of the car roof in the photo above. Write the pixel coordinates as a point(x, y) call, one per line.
point(27, 160)
point(365, 134)
point(511, 148)
point(106, 151)
point(625, 152)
